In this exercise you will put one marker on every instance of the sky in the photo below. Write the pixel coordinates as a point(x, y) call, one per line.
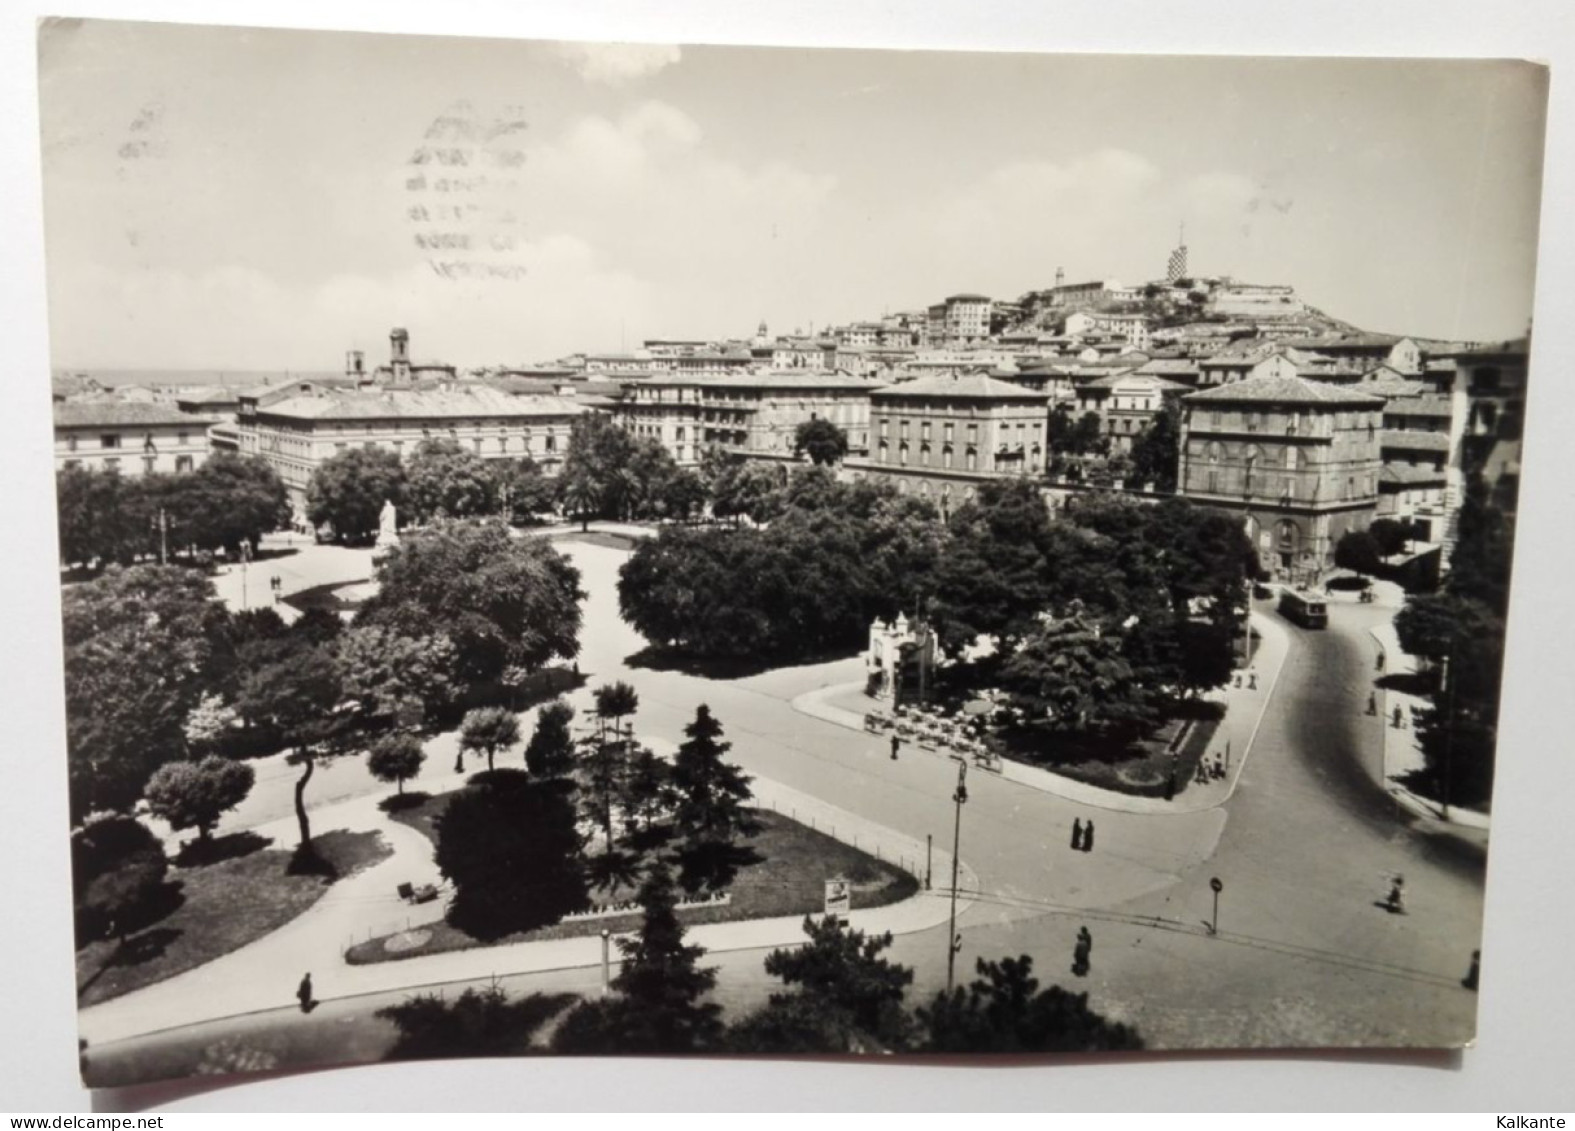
point(241, 199)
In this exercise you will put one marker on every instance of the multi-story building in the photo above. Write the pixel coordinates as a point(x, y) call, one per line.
point(1126, 403)
point(941, 436)
point(1421, 442)
point(967, 318)
point(749, 414)
point(1248, 359)
point(1299, 459)
point(296, 434)
point(133, 439)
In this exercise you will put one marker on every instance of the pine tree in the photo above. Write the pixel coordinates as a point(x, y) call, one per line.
point(550, 753)
point(711, 814)
point(658, 1007)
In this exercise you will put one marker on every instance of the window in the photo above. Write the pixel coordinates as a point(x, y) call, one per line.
point(182, 463)
point(71, 446)
point(109, 440)
point(181, 438)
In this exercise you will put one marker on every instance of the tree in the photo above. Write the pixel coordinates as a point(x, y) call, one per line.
point(1480, 564)
point(296, 693)
point(1358, 550)
point(391, 677)
point(500, 601)
point(396, 757)
point(348, 490)
point(487, 730)
point(711, 813)
point(683, 495)
point(658, 1007)
point(1069, 678)
point(751, 490)
point(140, 649)
point(208, 724)
point(1156, 453)
point(103, 517)
point(645, 794)
point(230, 501)
point(117, 870)
point(477, 1023)
point(604, 764)
point(1391, 535)
point(195, 794)
point(821, 440)
point(550, 752)
point(444, 480)
point(581, 495)
point(842, 969)
point(522, 487)
point(512, 853)
point(993, 581)
point(1005, 1011)
point(1088, 435)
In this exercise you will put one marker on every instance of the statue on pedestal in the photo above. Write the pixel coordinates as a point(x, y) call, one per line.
point(387, 526)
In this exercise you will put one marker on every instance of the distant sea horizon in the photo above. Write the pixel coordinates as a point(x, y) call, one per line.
point(112, 378)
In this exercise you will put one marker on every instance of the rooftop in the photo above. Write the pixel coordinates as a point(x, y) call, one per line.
point(773, 379)
point(1404, 474)
point(1420, 406)
point(1136, 377)
point(1415, 441)
point(106, 414)
point(434, 404)
point(1284, 390)
point(974, 386)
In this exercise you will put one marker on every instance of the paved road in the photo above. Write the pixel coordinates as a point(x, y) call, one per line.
point(1305, 846)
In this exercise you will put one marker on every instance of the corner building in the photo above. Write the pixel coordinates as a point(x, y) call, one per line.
point(1298, 459)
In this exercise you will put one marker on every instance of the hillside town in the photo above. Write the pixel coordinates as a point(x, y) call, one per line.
point(1237, 395)
point(1138, 557)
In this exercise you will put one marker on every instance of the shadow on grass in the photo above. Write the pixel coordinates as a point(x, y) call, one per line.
point(135, 950)
point(659, 659)
point(196, 853)
point(400, 802)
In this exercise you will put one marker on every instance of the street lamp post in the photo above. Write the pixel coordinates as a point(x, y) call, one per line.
point(606, 962)
point(1216, 887)
point(959, 798)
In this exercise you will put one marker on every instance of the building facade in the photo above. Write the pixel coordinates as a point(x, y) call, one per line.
point(939, 437)
point(750, 414)
point(1299, 460)
point(1126, 403)
point(132, 439)
point(296, 434)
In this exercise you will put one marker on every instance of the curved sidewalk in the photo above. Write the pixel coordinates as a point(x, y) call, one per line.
point(1245, 707)
point(261, 975)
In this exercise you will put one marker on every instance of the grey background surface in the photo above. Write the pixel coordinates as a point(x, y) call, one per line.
point(1525, 1042)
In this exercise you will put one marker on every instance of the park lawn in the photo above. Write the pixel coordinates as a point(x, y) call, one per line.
point(219, 907)
point(790, 880)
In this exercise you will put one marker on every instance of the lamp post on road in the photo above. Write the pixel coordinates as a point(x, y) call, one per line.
point(606, 963)
point(959, 798)
point(1216, 887)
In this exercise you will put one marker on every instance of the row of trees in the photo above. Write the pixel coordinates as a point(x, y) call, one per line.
point(228, 502)
point(830, 557)
point(840, 994)
point(1096, 617)
point(1460, 631)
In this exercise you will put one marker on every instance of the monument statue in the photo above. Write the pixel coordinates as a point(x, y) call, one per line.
point(388, 525)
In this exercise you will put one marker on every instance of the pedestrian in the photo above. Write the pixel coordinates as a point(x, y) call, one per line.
point(1170, 784)
point(1202, 776)
point(1380, 661)
point(1082, 952)
point(1395, 904)
point(1077, 834)
point(1372, 702)
point(896, 743)
point(1470, 980)
point(1088, 836)
point(1252, 681)
point(1219, 767)
point(304, 993)
point(1399, 720)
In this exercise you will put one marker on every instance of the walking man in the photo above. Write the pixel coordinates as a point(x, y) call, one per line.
point(895, 744)
point(1077, 834)
point(304, 993)
point(1380, 661)
point(1088, 836)
point(1372, 702)
point(1471, 978)
point(1081, 952)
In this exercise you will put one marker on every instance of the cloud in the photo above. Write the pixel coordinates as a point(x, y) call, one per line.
point(618, 63)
